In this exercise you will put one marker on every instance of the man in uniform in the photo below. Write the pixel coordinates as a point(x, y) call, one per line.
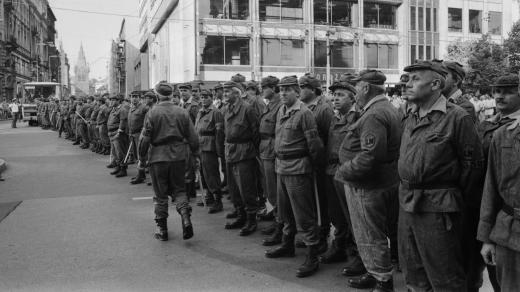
point(439, 163)
point(343, 247)
point(82, 121)
point(192, 106)
point(297, 147)
point(500, 210)
point(92, 125)
point(323, 113)
point(369, 153)
point(270, 93)
point(72, 118)
point(63, 117)
point(117, 125)
point(150, 100)
point(210, 128)
point(452, 90)
point(136, 115)
point(166, 132)
point(101, 121)
point(79, 121)
point(54, 113)
point(241, 149)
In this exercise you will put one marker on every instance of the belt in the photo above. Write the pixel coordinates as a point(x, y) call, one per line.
point(513, 212)
point(291, 156)
point(265, 136)
point(429, 186)
point(207, 133)
point(168, 141)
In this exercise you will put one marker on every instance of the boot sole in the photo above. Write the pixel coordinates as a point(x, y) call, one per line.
point(306, 274)
point(188, 232)
point(160, 238)
point(271, 243)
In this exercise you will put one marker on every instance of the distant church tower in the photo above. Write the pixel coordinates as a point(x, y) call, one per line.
point(81, 71)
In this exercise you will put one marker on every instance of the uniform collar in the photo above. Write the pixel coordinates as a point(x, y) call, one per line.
point(440, 105)
point(295, 107)
point(516, 120)
point(373, 101)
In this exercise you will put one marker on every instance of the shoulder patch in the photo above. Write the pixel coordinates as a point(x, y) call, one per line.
point(369, 140)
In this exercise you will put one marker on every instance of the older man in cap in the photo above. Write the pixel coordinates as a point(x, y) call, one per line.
point(453, 87)
point(241, 150)
point(500, 211)
point(117, 125)
point(270, 92)
point(210, 128)
point(324, 114)
point(439, 163)
point(297, 148)
point(168, 133)
point(368, 168)
point(343, 246)
point(101, 121)
point(136, 115)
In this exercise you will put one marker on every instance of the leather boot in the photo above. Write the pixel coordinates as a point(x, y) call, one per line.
point(217, 205)
point(100, 149)
point(84, 146)
point(77, 142)
point(311, 264)
point(284, 250)
point(336, 253)
point(161, 233)
point(116, 170)
point(276, 238)
point(386, 286)
point(233, 214)
point(354, 267)
point(239, 222)
point(187, 226)
point(269, 216)
point(366, 281)
point(139, 178)
point(112, 165)
point(299, 243)
point(251, 225)
point(270, 229)
point(323, 244)
point(190, 190)
point(106, 151)
point(122, 172)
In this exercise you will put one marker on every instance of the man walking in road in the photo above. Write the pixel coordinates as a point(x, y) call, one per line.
point(166, 131)
point(15, 110)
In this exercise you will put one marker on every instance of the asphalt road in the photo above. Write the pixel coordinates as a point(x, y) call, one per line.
point(70, 226)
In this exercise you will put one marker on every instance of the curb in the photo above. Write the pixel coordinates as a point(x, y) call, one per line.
point(2, 166)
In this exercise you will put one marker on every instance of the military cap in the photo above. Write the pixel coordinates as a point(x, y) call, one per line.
point(289, 80)
point(404, 79)
point(433, 65)
point(205, 92)
point(230, 84)
point(343, 85)
point(371, 76)
point(251, 84)
point(309, 80)
point(91, 97)
point(135, 92)
point(218, 86)
point(455, 67)
point(269, 81)
point(164, 89)
point(72, 97)
point(149, 94)
point(347, 77)
point(509, 80)
point(239, 78)
point(184, 85)
point(116, 96)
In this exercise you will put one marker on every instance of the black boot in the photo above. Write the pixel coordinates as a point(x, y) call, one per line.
point(323, 244)
point(239, 222)
point(269, 216)
point(139, 178)
point(336, 252)
point(161, 233)
point(84, 146)
point(311, 264)
point(116, 170)
point(270, 229)
point(365, 281)
point(190, 190)
point(77, 142)
point(112, 164)
point(250, 225)
point(106, 151)
point(187, 226)
point(233, 214)
point(299, 243)
point(354, 267)
point(284, 250)
point(276, 238)
point(386, 286)
point(122, 171)
point(217, 205)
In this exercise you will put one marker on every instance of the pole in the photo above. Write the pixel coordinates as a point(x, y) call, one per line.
point(316, 198)
point(328, 46)
point(128, 152)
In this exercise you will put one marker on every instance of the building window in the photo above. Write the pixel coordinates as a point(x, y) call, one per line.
point(435, 19)
point(413, 18)
point(428, 19)
point(382, 56)
point(221, 50)
point(429, 53)
point(341, 54)
point(281, 11)
point(475, 21)
point(455, 19)
point(379, 16)
point(421, 18)
point(224, 9)
point(421, 52)
point(340, 12)
point(495, 22)
point(413, 55)
point(282, 52)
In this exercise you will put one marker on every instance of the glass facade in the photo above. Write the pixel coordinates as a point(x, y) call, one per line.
point(455, 19)
point(379, 15)
point(224, 9)
point(382, 56)
point(340, 12)
point(222, 50)
point(283, 52)
point(475, 21)
point(341, 54)
point(290, 11)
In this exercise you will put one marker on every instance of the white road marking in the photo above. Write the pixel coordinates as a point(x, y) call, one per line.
point(141, 198)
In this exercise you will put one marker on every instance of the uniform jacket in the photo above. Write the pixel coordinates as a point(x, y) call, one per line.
point(268, 128)
point(337, 132)
point(369, 152)
point(136, 116)
point(441, 159)
point(297, 145)
point(502, 187)
point(94, 113)
point(193, 107)
point(167, 128)
point(487, 128)
point(117, 120)
point(464, 103)
point(256, 103)
point(102, 117)
point(323, 114)
point(210, 129)
point(241, 131)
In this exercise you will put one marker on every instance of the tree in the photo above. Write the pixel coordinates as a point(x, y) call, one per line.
point(512, 47)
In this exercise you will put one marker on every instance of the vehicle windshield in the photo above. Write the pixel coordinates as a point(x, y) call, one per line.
point(38, 91)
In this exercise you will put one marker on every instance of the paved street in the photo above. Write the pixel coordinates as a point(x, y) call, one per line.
point(79, 229)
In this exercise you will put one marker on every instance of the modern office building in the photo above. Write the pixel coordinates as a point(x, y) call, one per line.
point(211, 40)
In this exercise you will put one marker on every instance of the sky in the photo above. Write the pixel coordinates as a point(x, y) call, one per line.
point(94, 30)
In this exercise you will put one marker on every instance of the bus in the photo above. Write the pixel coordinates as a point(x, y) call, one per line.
point(33, 90)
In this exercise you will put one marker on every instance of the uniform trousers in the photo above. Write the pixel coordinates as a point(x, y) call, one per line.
point(270, 179)
point(210, 170)
point(297, 206)
point(370, 211)
point(508, 268)
point(430, 251)
point(168, 180)
point(103, 135)
point(119, 143)
point(242, 184)
point(83, 131)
